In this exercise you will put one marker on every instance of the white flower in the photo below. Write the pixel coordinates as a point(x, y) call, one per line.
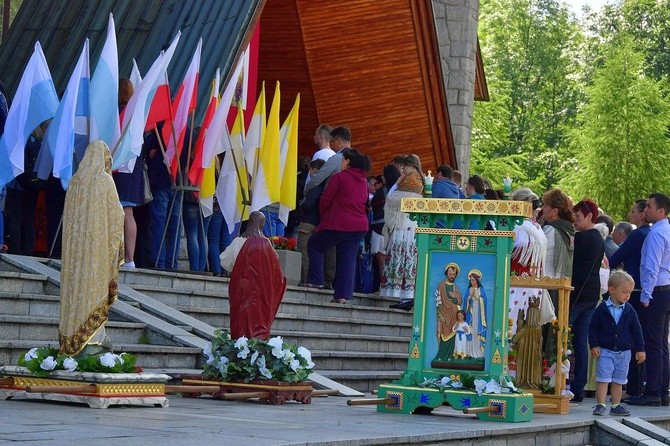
point(241, 343)
point(211, 360)
point(262, 368)
point(32, 354)
point(302, 351)
point(48, 364)
point(277, 345)
point(265, 372)
point(444, 381)
point(70, 364)
point(288, 356)
point(254, 357)
point(108, 359)
point(207, 351)
point(456, 385)
point(492, 387)
point(120, 358)
point(480, 384)
point(242, 354)
point(295, 365)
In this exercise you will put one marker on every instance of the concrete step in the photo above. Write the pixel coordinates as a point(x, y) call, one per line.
point(362, 361)
point(345, 322)
point(365, 381)
point(21, 282)
point(29, 304)
point(149, 356)
point(345, 341)
point(45, 328)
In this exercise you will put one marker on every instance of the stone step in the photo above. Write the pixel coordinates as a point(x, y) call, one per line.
point(29, 304)
point(345, 341)
point(365, 381)
point(45, 328)
point(345, 322)
point(352, 360)
point(148, 356)
point(21, 282)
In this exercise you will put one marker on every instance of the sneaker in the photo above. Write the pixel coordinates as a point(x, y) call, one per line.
point(619, 410)
point(600, 410)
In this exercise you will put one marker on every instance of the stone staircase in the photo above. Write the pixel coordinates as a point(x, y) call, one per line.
point(29, 310)
point(359, 345)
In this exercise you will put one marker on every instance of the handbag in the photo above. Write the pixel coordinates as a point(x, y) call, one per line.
point(148, 196)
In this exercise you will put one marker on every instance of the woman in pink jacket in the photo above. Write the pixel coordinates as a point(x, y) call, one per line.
point(344, 222)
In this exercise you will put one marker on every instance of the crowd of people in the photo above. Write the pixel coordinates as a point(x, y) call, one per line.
point(345, 213)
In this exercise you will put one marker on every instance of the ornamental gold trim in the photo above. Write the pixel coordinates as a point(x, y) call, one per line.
point(547, 283)
point(459, 232)
point(459, 206)
point(97, 389)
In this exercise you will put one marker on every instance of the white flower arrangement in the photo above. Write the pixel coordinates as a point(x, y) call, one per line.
point(246, 359)
point(469, 382)
point(44, 360)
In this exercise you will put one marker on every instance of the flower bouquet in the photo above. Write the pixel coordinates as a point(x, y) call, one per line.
point(44, 360)
point(247, 360)
point(279, 242)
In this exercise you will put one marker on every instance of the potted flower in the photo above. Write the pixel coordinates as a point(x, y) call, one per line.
point(289, 258)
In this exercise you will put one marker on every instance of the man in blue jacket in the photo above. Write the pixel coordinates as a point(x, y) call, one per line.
point(443, 186)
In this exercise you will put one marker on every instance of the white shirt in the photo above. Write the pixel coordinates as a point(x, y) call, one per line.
point(323, 154)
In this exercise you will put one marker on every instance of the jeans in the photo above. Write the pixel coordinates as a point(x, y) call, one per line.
point(636, 372)
point(346, 245)
point(654, 320)
point(580, 319)
point(195, 227)
point(273, 225)
point(164, 250)
point(215, 242)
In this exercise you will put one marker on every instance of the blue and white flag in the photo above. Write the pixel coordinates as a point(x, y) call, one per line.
point(35, 101)
point(105, 92)
point(71, 117)
point(135, 115)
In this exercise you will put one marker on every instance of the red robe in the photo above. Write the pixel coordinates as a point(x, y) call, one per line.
point(256, 289)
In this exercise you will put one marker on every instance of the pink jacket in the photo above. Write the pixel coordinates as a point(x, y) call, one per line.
point(343, 205)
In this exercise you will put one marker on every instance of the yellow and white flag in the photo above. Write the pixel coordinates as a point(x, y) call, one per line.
point(267, 178)
point(229, 190)
point(256, 132)
point(289, 162)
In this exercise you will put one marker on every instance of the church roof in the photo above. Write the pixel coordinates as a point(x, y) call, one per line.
point(143, 29)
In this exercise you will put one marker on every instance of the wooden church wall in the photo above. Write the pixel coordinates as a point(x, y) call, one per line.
point(366, 64)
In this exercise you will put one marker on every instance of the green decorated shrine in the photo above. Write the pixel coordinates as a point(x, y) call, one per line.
point(458, 352)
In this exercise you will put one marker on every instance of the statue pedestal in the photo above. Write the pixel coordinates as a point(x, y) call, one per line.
point(98, 390)
point(291, 263)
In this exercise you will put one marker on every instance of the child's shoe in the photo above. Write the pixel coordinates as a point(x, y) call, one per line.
point(599, 410)
point(619, 410)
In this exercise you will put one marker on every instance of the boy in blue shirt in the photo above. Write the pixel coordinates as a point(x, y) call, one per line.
point(614, 331)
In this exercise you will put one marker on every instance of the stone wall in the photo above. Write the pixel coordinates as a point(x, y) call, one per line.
point(456, 26)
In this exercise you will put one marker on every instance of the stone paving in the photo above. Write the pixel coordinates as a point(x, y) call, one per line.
point(327, 421)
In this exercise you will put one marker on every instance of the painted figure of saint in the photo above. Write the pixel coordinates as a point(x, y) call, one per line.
point(448, 300)
point(475, 308)
point(462, 331)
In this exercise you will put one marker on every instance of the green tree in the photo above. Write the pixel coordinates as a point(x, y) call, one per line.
point(621, 140)
point(529, 48)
